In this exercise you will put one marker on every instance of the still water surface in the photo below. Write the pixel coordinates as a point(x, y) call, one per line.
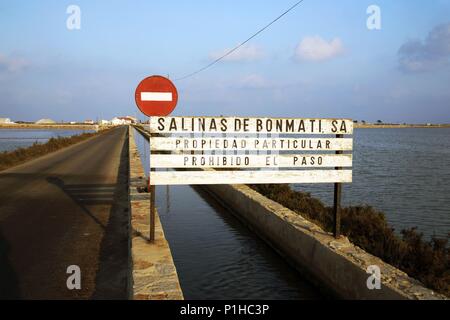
point(403, 172)
point(11, 139)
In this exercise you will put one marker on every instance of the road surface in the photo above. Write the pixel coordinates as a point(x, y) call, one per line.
point(66, 208)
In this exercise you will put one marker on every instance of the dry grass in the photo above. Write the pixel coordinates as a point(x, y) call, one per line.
point(426, 261)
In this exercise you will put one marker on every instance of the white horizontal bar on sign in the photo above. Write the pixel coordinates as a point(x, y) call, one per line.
point(244, 144)
point(156, 96)
point(250, 125)
point(249, 177)
point(250, 161)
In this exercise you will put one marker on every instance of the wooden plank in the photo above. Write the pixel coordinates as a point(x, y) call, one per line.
point(251, 144)
point(249, 177)
point(250, 125)
point(250, 161)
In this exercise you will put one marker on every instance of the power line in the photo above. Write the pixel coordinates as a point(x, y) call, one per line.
point(240, 45)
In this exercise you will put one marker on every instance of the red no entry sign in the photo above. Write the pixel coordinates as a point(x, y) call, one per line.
point(156, 96)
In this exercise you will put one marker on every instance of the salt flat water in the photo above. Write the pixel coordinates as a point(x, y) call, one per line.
point(403, 172)
point(11, 139)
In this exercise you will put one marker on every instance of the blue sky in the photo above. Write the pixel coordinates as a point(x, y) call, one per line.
point(318, 61)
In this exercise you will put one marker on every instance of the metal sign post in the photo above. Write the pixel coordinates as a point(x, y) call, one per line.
point(155, 96)
point(152, 213)
point(337, 201)
point(151, 189)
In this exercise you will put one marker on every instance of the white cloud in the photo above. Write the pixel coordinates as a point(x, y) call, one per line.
point(430, 54)
point(254, 81)
point(12, 64)
point(315, 48)
point(245, 53)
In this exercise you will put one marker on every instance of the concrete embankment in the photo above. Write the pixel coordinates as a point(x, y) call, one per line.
point(153, 274)
point(336, 265)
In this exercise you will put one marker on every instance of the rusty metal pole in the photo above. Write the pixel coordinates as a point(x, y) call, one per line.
point(151, 189)
point(337, 201)
point(152, 213)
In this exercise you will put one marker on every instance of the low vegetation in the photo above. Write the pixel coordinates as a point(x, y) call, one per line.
point(9, 159)
point(426, 261)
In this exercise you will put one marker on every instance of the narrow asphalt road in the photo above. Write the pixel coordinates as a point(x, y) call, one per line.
point(67, 208)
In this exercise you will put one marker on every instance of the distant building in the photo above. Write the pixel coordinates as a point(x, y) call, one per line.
point(5, 121)
point(133, 119)
point(104, 122)
point(88, 121)
point(117, 121)
point(45, 121)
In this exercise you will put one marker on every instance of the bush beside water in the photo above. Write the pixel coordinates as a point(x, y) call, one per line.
point(426, 261)
point(12, 158)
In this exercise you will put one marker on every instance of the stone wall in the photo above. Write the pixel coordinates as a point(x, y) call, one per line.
point(153, 275)
point(338, 266)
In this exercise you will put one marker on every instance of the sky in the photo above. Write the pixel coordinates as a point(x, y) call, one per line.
point(320, 60)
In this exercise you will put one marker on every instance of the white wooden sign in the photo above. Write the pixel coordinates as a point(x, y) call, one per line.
point(251, 161)
point(250, 125)
point(287, 160)
point(249, 144)
point(249, 177)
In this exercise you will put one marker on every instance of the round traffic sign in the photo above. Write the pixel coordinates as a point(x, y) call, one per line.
point(156, 96)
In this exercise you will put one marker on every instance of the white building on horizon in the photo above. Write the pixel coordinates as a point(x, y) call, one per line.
point(6, 121)
point(117, 121)
point(104, 122)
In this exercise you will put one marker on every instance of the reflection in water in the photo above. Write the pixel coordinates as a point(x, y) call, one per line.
point(216, 256)
point(219, 258)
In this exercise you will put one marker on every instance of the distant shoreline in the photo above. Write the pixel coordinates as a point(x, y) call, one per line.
point(51, 126)
point(399, 126)
point(66, 126)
